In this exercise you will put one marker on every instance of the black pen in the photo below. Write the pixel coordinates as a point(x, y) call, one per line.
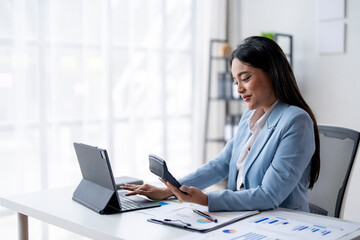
point(204, 215)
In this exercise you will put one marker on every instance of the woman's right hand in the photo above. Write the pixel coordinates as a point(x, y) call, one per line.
point(148, 190)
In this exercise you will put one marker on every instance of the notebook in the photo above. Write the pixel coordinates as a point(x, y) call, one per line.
point(97, 190)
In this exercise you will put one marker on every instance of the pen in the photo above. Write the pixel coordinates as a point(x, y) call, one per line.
point(204, 215)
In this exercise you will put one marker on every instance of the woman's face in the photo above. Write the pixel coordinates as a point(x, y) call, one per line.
point(254, 85)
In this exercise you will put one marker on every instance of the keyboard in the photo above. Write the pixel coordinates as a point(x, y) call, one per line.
point(127, 204)
point(134, 202)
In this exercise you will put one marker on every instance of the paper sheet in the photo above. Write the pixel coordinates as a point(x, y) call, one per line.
point(279, 225)
point(166, 207)
point(186, 216)
point(331, 9)
point(331, 37)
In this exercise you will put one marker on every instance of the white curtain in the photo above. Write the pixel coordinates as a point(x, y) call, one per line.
point(210, 24)
point(126, 75)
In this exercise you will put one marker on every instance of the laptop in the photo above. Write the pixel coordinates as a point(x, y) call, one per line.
point(97, 190)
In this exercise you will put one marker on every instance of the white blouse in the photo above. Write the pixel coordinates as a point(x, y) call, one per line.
point(256, 122)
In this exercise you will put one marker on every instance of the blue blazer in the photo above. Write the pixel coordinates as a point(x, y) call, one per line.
point(276, 171)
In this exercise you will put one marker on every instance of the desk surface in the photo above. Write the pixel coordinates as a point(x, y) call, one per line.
point(57, 207)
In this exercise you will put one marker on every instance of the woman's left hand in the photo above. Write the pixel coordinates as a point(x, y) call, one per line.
point(193, 195)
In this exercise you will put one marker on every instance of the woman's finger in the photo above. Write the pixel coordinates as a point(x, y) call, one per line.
point(130, 187)
point(130, 193)
point(179, 194)
point(135, 192)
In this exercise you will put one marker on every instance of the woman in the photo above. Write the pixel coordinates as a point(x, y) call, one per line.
point(274, 157)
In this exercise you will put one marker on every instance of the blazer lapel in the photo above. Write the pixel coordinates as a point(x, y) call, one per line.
point(259, 143)
point(264, 136)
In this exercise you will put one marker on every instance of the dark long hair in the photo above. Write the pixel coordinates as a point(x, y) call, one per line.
point(264, 53)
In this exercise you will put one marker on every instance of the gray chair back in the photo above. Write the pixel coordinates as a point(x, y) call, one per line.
point(338, 147)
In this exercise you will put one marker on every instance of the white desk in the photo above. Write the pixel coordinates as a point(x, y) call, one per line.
point(56, 207)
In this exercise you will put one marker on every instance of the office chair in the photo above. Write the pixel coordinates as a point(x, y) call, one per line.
point(338, 147)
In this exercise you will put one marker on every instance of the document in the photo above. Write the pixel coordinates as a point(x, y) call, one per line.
point(206, 221)
point(167, 206)
point(281, 225)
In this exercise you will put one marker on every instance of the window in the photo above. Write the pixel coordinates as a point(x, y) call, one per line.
point(117, 74)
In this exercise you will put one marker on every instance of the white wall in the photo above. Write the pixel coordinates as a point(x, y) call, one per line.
point(350, 207)
point(329, 83)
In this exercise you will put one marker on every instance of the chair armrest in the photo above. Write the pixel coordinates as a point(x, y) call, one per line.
point(317, 210)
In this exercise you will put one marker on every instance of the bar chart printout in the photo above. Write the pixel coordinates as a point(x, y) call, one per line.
point(253, 236)
point(281, 225)
point(306, 227)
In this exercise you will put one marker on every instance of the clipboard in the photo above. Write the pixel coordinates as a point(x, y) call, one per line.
point(185, 218)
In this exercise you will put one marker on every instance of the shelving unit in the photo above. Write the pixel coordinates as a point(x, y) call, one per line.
point(286, 43)
point(223, 97)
